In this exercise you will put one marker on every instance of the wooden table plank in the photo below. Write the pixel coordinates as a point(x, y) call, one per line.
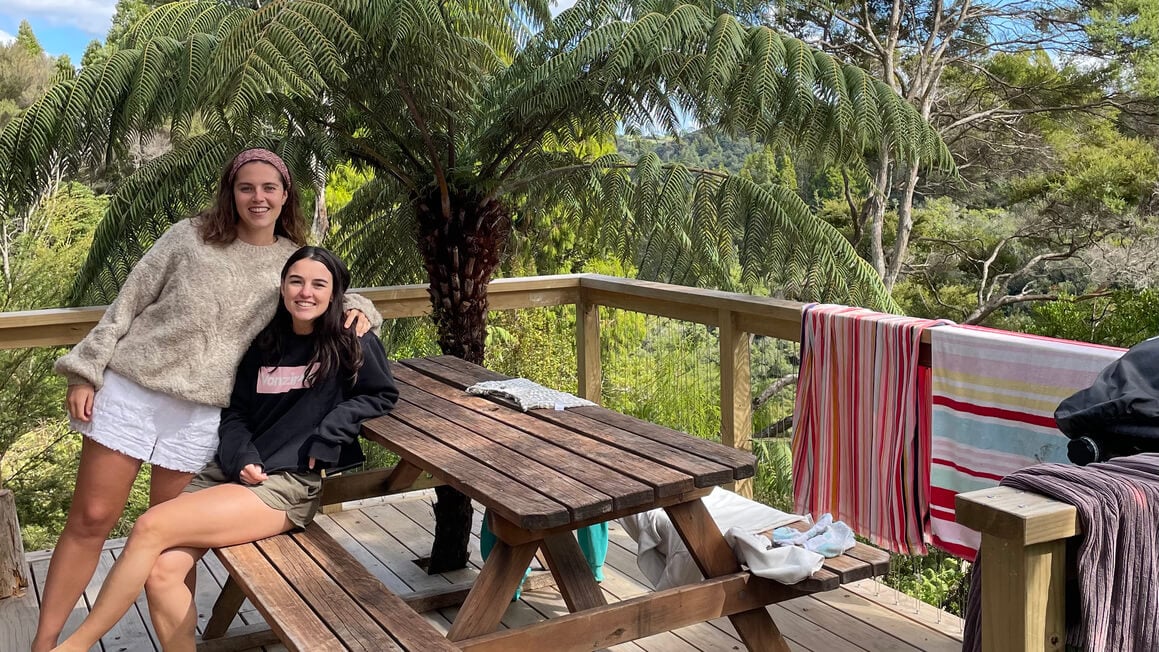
point(704, 472)
point(744, 461)
point(515, 502)
point(467, 435)
point(464, 374)
point(630, 482)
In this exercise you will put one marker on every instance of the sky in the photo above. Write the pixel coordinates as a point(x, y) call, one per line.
point(67, 26)
point(61, 26)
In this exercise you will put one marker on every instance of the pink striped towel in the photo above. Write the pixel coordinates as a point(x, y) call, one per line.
point(861, 447)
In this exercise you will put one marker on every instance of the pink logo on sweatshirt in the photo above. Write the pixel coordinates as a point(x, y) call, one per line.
point(280, 380)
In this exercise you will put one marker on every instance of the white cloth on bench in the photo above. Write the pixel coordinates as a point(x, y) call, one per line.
point(664, 560)
point(528, 394)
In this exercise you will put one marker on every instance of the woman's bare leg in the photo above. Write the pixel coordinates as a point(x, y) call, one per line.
point(167, 484)
point(171, 600)
point(224, 515)
point(104, 479)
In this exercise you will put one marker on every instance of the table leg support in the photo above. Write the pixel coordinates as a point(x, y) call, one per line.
point(714, 557)
point(491, 594)
point(572, 573)
point(228, 603)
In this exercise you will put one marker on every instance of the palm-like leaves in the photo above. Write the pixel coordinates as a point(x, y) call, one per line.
point(476, 98)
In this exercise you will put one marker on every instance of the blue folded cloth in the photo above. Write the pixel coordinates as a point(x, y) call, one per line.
point(827, 537)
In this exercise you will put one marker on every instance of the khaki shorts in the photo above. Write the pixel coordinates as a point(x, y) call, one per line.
point(296, 494)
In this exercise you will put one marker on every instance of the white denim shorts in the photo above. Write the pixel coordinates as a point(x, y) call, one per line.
point(150, 426)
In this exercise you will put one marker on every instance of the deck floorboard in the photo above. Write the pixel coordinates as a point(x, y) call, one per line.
point(388, 536)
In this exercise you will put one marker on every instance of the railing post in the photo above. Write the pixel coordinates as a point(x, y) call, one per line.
point(736, 407)
point(587, 348)
point(1023, 566)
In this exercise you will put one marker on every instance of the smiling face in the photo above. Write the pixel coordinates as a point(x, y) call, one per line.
point(258, 194)
point(306, 293)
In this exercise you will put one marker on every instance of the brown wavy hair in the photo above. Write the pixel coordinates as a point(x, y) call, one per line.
point(218, 224)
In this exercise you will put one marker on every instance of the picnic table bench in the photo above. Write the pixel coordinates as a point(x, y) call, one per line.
point(540, 474)
point(316, 596)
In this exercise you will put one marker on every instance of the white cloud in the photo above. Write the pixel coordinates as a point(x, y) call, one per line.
point(6, 38)
point(558, 6)
point(92, 16)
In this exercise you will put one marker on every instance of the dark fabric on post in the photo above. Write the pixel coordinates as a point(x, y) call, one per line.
point(1117, 561)
point(1120, 410)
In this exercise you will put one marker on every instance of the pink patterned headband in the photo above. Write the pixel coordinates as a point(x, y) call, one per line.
point(263, 155)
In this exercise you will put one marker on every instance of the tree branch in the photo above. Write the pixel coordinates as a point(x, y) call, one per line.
point(421, 123)
point(771, 390)
point(780, 428)
point(980, 315)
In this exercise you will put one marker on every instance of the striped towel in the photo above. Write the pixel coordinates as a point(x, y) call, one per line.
point(994, 395)
point(860, 434)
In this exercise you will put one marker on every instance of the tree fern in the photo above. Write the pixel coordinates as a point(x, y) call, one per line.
point(476, 101)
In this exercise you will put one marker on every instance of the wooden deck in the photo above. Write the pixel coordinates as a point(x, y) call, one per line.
point(388, 535)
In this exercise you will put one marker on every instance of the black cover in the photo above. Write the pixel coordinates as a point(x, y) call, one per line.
point(1119, 413)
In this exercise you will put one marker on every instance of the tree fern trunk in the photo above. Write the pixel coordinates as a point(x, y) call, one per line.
point(460, 254)
point(13, 566)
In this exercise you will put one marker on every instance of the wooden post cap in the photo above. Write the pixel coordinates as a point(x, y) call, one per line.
point(1021, 516)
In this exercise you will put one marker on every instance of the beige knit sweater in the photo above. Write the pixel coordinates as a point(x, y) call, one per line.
point(185, 315)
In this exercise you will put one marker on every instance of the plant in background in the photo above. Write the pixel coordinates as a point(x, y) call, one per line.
point(464, 112)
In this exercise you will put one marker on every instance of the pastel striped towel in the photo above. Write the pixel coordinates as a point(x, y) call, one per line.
point(861, 447)
point(994, 395)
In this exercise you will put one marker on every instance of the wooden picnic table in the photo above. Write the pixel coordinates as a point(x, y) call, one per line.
point(541, 474)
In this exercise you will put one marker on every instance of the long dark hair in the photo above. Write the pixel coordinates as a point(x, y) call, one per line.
point(336, 348)
point(218, 224)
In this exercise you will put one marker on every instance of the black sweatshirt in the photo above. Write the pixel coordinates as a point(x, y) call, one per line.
point(273, 420)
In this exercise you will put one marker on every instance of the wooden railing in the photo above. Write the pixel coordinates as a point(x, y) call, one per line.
point(1022, 543)
point(736, 316)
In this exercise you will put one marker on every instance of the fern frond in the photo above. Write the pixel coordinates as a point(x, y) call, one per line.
point(167, 189)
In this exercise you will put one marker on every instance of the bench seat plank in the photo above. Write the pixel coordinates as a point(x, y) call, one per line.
point(393, 613)
point(316, 596)
point(295, 623)
point(341, 614)
point(858, 563)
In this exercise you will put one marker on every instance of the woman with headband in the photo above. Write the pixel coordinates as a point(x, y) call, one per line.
point(147, 384)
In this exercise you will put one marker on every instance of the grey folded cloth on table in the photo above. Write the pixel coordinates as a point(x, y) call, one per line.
point(527, 394)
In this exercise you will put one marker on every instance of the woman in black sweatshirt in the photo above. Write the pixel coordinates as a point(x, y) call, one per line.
point(302, 391)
